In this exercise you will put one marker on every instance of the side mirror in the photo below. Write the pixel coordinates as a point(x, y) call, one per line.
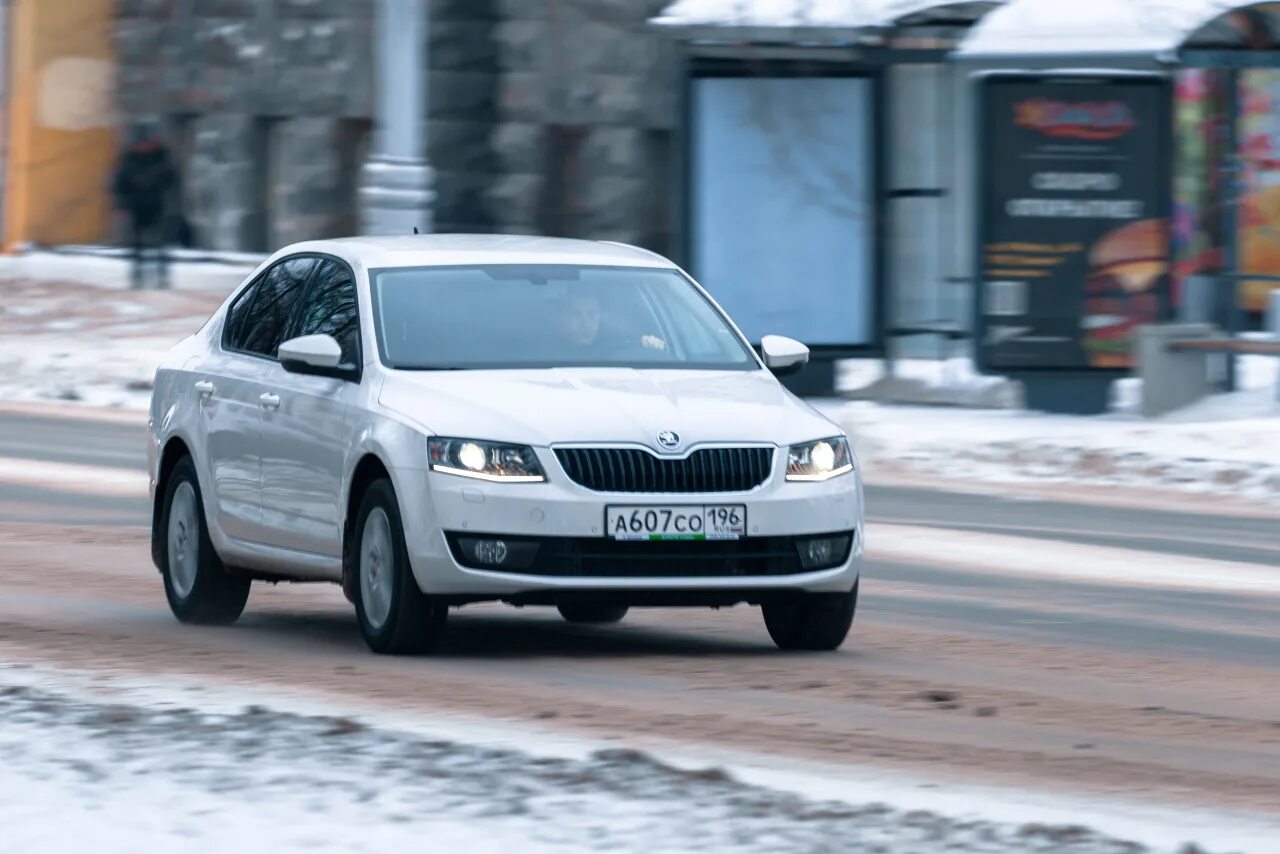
point(314, 354)
point(783, 355)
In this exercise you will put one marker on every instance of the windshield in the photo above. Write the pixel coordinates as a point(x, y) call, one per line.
point(540, 316)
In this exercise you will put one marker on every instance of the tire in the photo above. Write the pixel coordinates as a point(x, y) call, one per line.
point(816, 622)
point(396, 617)
point(199, 588)
point(587, 613)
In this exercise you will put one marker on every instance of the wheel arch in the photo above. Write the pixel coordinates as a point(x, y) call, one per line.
point(369, 469)
point(175, 449)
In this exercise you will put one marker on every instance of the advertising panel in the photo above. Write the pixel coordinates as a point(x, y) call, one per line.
point(781, 208)
point(1074, 230)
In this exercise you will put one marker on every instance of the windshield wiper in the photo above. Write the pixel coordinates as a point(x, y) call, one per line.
point(430, 368)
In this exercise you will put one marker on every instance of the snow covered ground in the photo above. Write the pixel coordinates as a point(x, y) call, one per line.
point(90, 344)
point(167, 766)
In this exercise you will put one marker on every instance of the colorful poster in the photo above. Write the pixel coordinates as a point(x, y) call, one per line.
point(1074, 221)
point(1198, 123)
point(1259, 211)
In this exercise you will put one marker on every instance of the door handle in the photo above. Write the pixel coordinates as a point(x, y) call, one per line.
point(204, 388)
point(269, 400)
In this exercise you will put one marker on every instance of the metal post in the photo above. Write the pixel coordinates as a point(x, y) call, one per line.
point(396, 183)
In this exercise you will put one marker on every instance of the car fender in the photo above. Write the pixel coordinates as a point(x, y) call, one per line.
point(400, 446)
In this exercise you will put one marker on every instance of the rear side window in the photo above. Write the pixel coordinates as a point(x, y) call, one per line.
point(258, 319)
point(331, 309)
point(232, 334)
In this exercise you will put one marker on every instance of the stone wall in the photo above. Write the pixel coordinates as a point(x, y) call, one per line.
point(586, 106)
point(543, 115)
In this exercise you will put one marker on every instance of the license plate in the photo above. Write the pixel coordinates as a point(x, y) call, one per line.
point(676, 522)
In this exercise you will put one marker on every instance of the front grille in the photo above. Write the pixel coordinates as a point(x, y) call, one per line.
point(638, 470)
point(598, 557)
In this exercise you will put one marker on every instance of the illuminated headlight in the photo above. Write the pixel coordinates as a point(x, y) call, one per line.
point(485, 460)
point(820, 460)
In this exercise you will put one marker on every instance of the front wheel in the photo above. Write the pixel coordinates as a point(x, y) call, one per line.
point(588, 613)
point(197, 585)
point(396, 617)
point(811, 621)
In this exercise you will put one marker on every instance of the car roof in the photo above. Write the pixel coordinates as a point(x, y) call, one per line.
point(448, 249)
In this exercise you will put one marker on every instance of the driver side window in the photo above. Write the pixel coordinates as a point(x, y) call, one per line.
point(695, 340)
point(331, 309)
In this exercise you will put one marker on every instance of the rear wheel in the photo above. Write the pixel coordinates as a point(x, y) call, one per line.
point(588, 612)
point(396, 617)
point(811, 621)
point(197, 585)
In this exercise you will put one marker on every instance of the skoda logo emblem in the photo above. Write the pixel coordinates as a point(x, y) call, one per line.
point(669, 440)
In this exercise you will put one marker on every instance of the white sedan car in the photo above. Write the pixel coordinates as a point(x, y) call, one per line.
point(438, 420)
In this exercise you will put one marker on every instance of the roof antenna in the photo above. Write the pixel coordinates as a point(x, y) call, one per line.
point(415, 230)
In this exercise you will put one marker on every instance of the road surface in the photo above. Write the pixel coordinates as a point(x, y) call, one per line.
point(1032, 668)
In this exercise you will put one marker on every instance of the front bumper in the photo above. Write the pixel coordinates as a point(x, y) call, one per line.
point(434, 503)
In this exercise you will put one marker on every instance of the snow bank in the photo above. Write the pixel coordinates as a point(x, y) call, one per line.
point(178, 766)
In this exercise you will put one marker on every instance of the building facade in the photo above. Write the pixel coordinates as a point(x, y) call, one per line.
point(541, 116)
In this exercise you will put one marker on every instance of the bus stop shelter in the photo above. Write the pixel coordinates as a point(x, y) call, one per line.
point(823, 195)
point(1221, 61)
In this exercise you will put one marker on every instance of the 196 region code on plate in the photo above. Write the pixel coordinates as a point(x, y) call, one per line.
point(676, 522)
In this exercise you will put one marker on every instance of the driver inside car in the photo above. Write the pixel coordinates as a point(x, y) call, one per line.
point(579, 324)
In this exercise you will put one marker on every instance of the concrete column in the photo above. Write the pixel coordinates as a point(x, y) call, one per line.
point(1172, 380)
point(396, 183)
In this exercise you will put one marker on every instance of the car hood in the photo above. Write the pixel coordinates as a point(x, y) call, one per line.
point(545, 407)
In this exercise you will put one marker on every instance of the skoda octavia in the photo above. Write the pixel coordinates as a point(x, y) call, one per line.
point(431, 421)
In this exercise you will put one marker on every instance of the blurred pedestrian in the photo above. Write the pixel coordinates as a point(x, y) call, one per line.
point(144, 189)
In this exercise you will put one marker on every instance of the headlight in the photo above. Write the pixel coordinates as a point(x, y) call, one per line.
point(485, 460)
point(820, 460)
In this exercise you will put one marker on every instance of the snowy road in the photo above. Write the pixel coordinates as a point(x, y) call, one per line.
point(989, 650)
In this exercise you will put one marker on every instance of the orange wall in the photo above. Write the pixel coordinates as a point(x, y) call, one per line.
point(62, 134)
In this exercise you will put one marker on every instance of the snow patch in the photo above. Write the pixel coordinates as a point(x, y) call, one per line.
point(76, 342)
point(81, 479)
point(772, 13)
point(1233, 450)
point(1000, 554)
point(1225, 443)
